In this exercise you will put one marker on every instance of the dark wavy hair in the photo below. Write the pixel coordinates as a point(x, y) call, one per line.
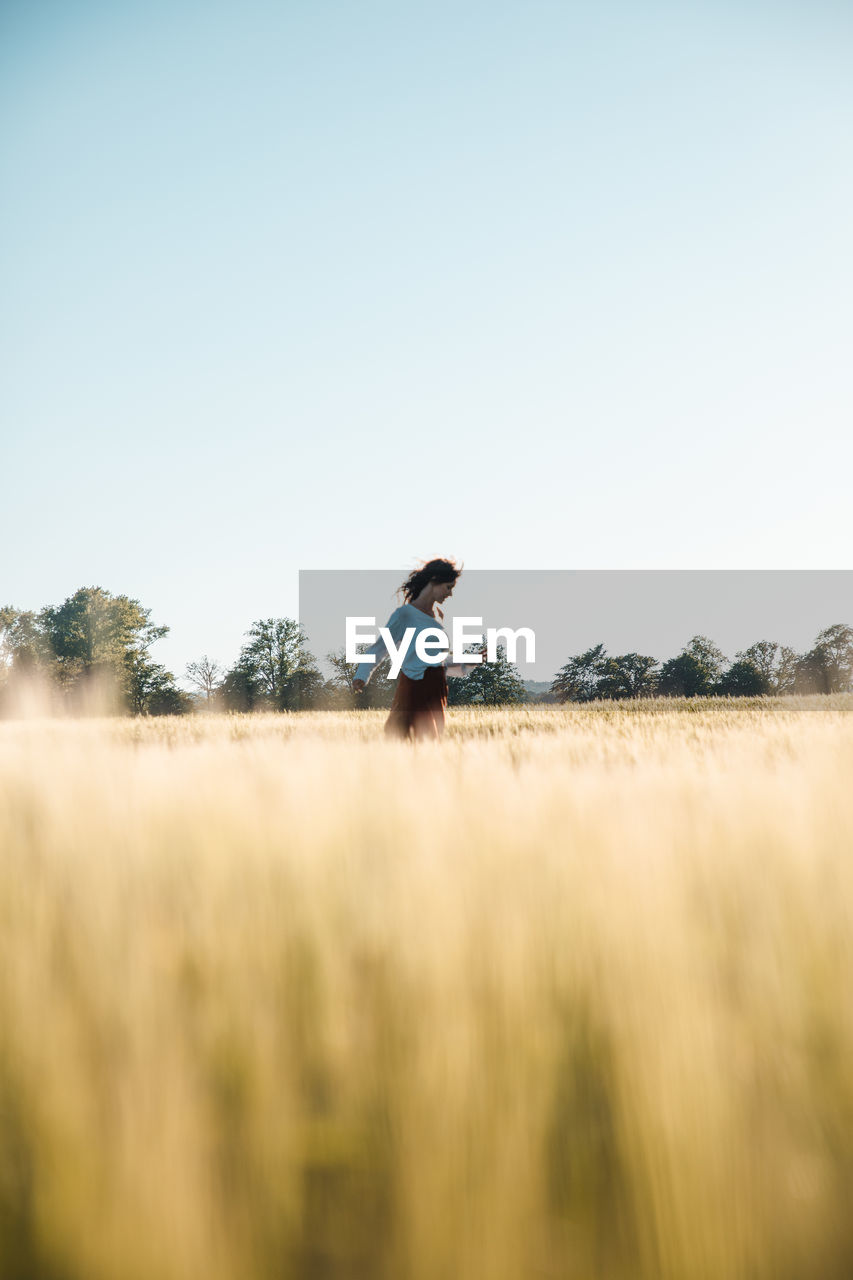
point(430, 571)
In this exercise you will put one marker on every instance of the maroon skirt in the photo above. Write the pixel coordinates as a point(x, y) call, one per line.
point(418, 707)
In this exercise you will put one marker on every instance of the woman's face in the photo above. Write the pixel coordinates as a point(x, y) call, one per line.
point(442, 591)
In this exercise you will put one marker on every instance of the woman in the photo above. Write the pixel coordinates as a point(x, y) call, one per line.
point(420, 697)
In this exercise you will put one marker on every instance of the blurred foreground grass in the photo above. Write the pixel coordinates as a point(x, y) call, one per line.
point(565, 997)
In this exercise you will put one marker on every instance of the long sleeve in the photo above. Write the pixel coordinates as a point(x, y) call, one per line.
point(396, 624)
point(365, 670)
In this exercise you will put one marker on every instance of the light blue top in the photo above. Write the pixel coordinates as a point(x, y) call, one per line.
point(400, 621)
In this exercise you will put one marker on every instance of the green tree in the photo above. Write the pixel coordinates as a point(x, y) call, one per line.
point(683, 677)
point(630, 675)
point(764, 657)
point(578, 680)
point(832, 656)
point(95, 636)
point(275, 669)
point(743, 679)
point(240, 690)
point(711, 659)
point(828, 666)
point(491, 684)
point(151, 689)
point(93, 629)
point(785, 675)
point(694, 672)
point(594, 674)
point(776, 664)
point(23, 647)
point(813, 672)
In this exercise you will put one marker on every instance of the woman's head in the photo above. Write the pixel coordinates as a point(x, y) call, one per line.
point(441, 573)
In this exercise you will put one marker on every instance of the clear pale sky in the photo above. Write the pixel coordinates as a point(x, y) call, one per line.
point(341, 285)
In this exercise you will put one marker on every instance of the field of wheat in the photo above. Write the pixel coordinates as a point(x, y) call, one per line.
point(567, 996)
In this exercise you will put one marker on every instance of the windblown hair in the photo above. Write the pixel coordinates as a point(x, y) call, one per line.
point(430, 571)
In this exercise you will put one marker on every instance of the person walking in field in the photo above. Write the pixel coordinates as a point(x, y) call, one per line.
point(420, 698)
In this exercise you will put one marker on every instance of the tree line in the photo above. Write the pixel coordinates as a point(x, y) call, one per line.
point(702, 670)
point(93, 651)
point(93, 641)
point(97, 642)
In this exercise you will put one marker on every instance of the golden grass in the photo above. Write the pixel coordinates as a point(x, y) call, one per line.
point(565, 997)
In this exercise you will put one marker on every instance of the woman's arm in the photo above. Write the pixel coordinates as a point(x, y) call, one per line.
point(365, 669)
point(379, 649)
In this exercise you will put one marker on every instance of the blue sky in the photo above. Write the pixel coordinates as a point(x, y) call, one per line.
point(327, 285)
